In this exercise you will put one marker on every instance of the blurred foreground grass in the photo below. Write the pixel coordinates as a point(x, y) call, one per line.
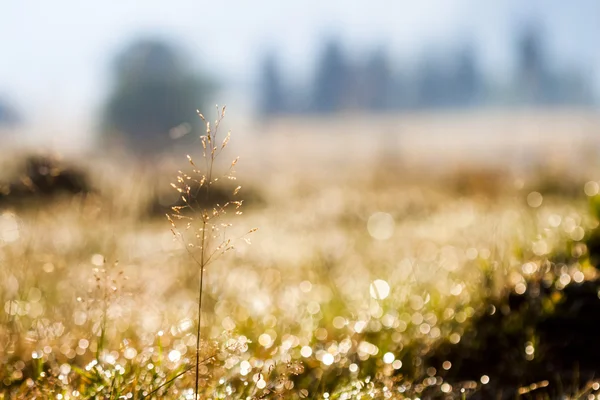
point(356, 277)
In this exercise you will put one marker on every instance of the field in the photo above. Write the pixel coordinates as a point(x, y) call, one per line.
point(381, 242)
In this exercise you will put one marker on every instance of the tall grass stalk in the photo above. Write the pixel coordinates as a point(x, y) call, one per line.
point(209, 236)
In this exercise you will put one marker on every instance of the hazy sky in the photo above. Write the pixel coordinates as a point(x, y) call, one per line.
point(55, 55)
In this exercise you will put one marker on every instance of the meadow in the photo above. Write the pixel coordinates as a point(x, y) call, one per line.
point(380, 244)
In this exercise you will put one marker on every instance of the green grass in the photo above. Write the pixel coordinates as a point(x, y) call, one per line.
point(100, 302)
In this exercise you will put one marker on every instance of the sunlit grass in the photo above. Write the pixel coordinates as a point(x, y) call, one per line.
point(345, 290)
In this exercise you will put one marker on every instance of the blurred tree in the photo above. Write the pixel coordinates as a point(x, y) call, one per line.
point(8, 115)
point(538, 83)
point(154, 99)
point(468, 79)
point(401, 91)
point(331, 79)
point(272, 101)
point(378, 82)
point(433, 82)
point(531, 74)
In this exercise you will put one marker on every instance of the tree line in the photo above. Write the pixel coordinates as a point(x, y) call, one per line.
point(454, 79)
point(155, 92)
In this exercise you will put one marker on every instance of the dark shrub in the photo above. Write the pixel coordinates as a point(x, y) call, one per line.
point(42, 178)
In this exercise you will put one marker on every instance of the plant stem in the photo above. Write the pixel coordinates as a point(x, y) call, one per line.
point(210, 139)
point(198, 332)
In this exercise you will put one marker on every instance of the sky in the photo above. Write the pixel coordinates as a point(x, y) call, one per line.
point(55, 55)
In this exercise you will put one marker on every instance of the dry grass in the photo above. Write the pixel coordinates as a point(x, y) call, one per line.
point(359, 268)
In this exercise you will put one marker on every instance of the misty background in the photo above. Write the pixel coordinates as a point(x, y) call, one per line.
point(264, 59)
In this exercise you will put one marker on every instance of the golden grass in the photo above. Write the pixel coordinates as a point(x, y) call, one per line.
point(353, 260)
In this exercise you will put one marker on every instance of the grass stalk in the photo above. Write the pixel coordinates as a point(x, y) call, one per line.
point(200, 292)
point(209, 139)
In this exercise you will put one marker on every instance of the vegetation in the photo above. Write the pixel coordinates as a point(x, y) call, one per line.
point(153, 99)
point(359, 285)
point(348, 79)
